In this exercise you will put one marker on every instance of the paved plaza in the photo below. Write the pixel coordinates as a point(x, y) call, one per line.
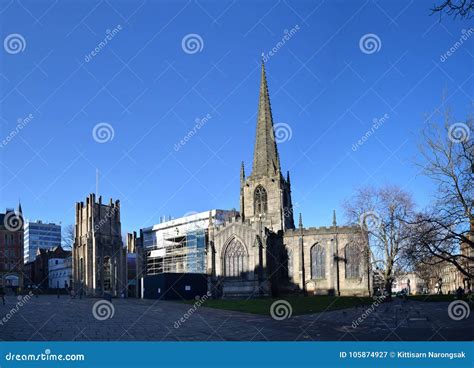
point(48, 318)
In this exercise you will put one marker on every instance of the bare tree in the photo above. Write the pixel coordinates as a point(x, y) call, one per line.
point(430, 274)
point(462, 8)
point(383, 214)
point(67, 237)
point(443, 232)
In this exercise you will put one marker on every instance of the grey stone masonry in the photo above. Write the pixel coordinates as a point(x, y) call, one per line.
point(98, 254)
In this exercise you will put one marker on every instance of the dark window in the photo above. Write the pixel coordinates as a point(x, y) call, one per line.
point(107, 273)
point(81, 269)
point(260, 201)
point(318, 262)
point(352, 257)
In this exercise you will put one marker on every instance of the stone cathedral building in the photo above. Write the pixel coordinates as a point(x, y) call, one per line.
point(261, 252)
point(99, 265)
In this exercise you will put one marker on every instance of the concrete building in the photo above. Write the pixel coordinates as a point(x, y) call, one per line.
point(60, 273)
point(99, 258)
point(40, 235)
point(11, 249)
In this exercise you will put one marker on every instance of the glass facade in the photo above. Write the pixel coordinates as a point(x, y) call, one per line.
point(196, 256)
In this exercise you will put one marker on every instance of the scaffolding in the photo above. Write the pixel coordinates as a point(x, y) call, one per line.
point(173, 252)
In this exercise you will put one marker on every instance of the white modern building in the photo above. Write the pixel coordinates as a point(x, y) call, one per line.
point(60, 273)
point(40, 235)
point(179, 245)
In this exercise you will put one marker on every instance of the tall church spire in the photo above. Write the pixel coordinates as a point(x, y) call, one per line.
point(265, 159)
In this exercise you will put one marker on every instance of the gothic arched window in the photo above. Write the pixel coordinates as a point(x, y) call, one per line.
point(352, 260)
point(235, 260)
point(318, 262)
point(107, 269)
point(290, 264)
point(260, 201)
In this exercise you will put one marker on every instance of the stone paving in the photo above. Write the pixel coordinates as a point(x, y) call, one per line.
point(64, 319)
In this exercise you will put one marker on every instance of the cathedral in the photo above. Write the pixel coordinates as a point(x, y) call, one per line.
point(261, 252)
point(257, 251)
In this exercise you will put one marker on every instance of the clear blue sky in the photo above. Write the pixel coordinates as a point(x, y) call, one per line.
point(150, 91)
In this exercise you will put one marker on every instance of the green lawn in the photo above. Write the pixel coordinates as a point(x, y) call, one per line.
point(299, 304)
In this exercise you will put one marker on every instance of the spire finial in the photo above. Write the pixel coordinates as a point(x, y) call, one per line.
point(242, 172)
point(20, 211)
point(300, 224)
point(334, 222)
point(288, 177)
point(266, 160)
point(211, 223)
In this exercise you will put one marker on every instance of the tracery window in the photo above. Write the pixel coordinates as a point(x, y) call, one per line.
point(260, 200)
point(235, 260)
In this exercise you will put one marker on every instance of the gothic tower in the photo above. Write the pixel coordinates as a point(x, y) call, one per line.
point(98, 254)
point(265, 195)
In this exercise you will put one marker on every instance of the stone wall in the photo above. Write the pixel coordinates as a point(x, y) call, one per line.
point(333, 240)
